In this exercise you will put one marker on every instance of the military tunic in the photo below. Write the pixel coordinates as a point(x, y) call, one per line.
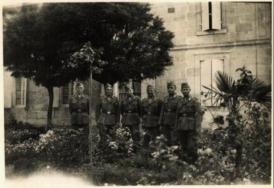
point(131, 111)
point(150, 110)
point(188, 124)
point(168, 117)
point(79, 109)
point(107, 116)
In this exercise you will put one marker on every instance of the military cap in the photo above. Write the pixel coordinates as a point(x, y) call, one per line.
point(108, 86)
point(171, 83)
point(185, 85)
point(79, 84)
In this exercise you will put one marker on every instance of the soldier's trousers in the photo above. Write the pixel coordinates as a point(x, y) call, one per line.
point(188, 141)
point(170, 134)
point(151, 133)
point(135, 133)
point(106, 132)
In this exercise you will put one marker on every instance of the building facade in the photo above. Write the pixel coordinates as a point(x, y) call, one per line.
point(209, 37)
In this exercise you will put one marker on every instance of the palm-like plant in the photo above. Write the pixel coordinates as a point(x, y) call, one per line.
point(229, 92)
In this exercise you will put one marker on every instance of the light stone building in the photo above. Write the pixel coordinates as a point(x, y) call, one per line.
point(208, 37)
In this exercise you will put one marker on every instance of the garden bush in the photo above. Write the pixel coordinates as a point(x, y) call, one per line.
point(59, 147)
point(67, 149)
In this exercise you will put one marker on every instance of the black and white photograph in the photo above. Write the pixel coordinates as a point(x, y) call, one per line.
point(137, 93)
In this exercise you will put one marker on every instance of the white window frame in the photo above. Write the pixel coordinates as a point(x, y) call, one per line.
point(216, 19)
point(8, 89)
point(23, 93)
point(70, 92)
point(225, 56)
point(56, 97)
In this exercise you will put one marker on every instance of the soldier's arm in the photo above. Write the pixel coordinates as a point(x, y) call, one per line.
point(142, 108)
point(161, 114)
point(70, 106)
point(139, 106)
point(177, 112)
point(159, 106)
point(118, 112)
point(98, 109)
point(198, 115)
point(88, 105)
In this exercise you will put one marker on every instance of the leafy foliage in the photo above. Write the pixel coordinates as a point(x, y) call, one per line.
point(229, 92)
point(128, 41)
point(246, 98)
point(60, 42)
point(215, 165)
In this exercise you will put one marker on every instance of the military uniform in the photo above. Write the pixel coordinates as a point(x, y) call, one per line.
point(107, 116)
point(168, 117)
point(150, 110)
point(188, 124)
point(79, 109)
point(131, 111)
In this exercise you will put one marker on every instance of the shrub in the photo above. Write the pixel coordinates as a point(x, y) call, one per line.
point(60, 147)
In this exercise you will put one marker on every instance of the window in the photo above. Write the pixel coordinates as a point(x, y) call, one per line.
point(8, 89)
point(171, 10)
point(122, 90)
point(208, 70)
point(211, 16)
point(56, 97)
point(66, 92)
point(20, 91)
point(136, 86)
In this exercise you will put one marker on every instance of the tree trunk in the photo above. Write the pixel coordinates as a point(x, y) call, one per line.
point(90, 138)
point(49, 115)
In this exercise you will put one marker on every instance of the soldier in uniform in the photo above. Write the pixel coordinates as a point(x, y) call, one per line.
point(168, 113)
point(188, 123)
point(79, 107)
point(150, 110)
point(131, 111)
point(107, 114)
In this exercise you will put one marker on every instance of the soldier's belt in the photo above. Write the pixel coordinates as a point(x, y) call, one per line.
point(149, 113)
point(186, 114)
point(109, 113)
point(170, 111)
point(80, 111)
point(130, 112)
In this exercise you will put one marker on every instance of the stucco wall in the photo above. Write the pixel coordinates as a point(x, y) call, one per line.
point(244, 40)
point(35, 111)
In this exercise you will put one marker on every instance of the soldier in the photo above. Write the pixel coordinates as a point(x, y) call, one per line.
point(168, 113)
point(131, 111)
point(188, 123)
point(150, 110)
point(79, 107)
point(107, 114)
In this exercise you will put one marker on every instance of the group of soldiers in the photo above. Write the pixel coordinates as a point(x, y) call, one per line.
point(177, 117)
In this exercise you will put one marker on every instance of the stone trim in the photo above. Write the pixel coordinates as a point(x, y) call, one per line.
point(225, 44)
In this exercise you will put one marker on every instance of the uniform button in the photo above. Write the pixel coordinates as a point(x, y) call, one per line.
point(108, 112)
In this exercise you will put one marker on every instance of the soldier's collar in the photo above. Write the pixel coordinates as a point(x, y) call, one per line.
point(109, 97)
point(173, 96)
point(187, 98)
point(79, 95)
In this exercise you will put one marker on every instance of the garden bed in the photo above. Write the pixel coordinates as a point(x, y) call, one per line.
point(29, 150)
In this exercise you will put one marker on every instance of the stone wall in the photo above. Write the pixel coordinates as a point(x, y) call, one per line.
point(245, 39)
point(35, 111)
